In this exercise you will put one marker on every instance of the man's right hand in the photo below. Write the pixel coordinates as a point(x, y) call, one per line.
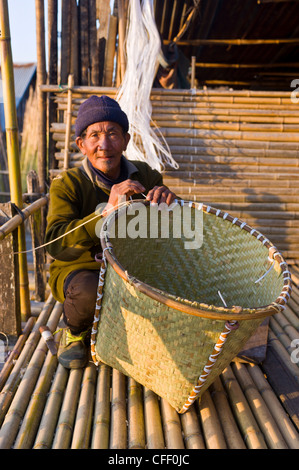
point(126, 188)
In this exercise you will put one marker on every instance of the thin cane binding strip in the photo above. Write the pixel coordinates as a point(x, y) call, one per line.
point(229, 326)
point(98, 307)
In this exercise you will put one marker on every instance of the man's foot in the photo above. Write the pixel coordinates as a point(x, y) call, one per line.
point(72, 351)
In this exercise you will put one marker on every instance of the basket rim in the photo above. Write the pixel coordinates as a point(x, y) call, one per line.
point(220, 313)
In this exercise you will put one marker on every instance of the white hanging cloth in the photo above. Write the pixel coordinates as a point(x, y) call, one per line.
point(142, 48)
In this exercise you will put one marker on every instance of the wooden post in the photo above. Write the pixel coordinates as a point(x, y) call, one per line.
point(65, 63)
point(84, 43)
point(37, 240)
point(40, 80)
point(93, 44)
point(75, 43)
point(52, 75)
point(12, 139)
point(10, 318)
point(110, 52)
point(121, 37)
point(68, 123)
point(103, 14)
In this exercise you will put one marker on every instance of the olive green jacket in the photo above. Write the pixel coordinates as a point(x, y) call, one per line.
point(74, 197)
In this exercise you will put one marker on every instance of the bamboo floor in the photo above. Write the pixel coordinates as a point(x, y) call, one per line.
point(250, 406)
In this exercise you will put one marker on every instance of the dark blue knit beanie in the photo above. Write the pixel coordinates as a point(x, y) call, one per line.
point(99, 109)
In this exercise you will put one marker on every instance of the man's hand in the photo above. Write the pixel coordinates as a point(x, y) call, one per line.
point(161, 194)
point(125, 188)
point(122, 191)
point(129, 187)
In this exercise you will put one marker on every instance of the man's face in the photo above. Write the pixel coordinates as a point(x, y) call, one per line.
point(104, 143)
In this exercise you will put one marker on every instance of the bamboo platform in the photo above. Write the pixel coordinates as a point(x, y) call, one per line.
point(250, 406)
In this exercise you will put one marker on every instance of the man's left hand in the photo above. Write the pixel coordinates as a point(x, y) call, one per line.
point(161, 194)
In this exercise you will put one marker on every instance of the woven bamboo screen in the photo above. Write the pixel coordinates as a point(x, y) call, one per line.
point(237, 151)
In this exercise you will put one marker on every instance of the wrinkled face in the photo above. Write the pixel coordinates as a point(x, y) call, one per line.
point(104, 143)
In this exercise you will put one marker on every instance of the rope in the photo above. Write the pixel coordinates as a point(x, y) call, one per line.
point(73, 229)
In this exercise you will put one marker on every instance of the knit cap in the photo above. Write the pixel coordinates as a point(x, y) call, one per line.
point(99, 109)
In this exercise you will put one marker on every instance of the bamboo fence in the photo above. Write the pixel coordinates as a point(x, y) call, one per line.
point(237, 151)
point(45, 406)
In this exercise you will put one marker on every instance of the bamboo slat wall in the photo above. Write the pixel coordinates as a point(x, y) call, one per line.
point(237, 151)
point(45, 406)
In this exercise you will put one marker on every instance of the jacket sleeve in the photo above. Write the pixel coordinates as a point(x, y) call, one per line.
point(64, 217)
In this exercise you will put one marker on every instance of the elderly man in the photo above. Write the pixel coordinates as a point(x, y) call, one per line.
point(105, 175)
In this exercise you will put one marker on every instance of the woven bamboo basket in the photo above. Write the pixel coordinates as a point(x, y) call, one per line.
point(175, 307)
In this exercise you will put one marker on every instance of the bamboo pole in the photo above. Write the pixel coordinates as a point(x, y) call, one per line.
point(153, 426)
point(229, 426)
point(37, 240)
point(121, 37)
point(65, 424)
point(247, 424)
point(110, 52)
point(171, 426)
point(52, 75)
point(12, 139)
point(15, 353)
point(212, 430)
point(93, 44)
point(281, 334)
point(22, 397)
point(34, 411)
point(191, 428)
point(103, 14)
point(264, 418)
point(136, 434)
point(12, 382)
point(101, 427)
point(118, 429)
point(68, 123)
point(74, 67)
point(50, 416)
point(84, 43)
point(198, 96)
point(17, 220)
point(40, 80)
point(288, 430)
point(66, 32)
point(83, 423)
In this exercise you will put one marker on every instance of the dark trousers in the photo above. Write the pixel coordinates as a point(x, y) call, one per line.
point(80, 291)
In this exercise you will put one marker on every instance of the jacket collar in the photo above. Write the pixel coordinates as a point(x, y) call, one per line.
point(131, 168)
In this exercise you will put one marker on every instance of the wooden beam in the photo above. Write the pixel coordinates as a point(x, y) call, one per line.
point(233, 42)
point(245, 66)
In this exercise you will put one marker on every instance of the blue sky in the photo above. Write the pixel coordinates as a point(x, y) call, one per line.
point(22, 30)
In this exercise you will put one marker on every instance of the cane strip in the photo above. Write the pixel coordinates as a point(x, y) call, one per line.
point(98, 307)
point(229, 326)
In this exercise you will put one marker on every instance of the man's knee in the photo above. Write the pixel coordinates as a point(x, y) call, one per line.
point(80, 299)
